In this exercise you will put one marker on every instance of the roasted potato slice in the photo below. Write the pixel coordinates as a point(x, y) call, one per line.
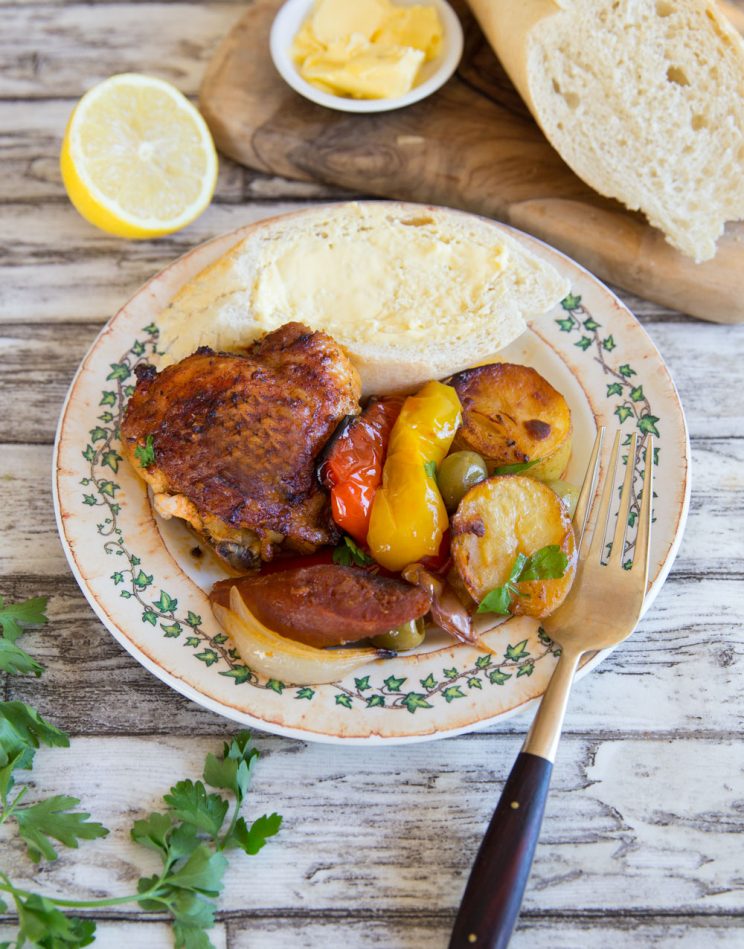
point(510, 415)
point(501, 518)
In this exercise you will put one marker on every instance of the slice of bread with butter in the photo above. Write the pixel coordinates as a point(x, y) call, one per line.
point(411, 292)
point(644, 99)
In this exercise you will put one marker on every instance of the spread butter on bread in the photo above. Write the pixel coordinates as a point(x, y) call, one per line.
point(410, 292)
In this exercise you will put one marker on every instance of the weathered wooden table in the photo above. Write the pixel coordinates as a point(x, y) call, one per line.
point(642, 839)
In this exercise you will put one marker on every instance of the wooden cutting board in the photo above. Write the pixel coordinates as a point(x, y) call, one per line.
point(472, 145)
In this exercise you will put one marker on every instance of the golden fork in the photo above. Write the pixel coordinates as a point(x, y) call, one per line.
point(602, 609)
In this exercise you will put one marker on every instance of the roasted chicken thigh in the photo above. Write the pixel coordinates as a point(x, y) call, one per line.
point(229, 442)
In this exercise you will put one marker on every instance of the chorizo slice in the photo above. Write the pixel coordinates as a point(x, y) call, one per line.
point(327, 604)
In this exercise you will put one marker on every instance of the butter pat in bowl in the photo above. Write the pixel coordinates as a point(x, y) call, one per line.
point(366, 55)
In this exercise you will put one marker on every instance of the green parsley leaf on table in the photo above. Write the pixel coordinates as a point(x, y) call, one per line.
point(188, 837)
point(252, 839)
point(190, 841)
point(547, 563)
point(233, 770)
point(13, 616)
point(53, 818)
point(153, 831)
point(23, 730)
point(190, 803)
point(46, 927)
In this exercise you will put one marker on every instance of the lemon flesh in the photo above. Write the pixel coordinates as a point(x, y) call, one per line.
point(137, 158)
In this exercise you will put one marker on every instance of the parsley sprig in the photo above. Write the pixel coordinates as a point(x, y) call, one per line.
point(13, 616)
point(189, 834)
point(547, 563)
point(145, 454)
point(349, 554)
point(517, 468)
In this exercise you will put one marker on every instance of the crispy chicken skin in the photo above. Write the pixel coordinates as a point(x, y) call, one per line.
point(236, 437)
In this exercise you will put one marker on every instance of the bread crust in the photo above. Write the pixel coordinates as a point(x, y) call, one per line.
point(668, 147)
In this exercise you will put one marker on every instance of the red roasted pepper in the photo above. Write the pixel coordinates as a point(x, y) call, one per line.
point(441, 561)
point(352, 467)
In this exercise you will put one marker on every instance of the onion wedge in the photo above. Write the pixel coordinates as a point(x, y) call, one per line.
point(446, 609)
point(277, 657)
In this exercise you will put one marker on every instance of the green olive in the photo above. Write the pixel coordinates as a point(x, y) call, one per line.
point(404, 637)
point(568, 493)
point(457, 474)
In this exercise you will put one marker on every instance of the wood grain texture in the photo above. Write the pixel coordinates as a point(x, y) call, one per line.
point(642, 835)
point(87, 276)
point(334, 855)
point(51, 52)
point(472, 145)
point(115, 934)
point(432, 931)
point(492, 900)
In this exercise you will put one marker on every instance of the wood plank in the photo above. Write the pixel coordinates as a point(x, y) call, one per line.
point(59, 51)
point(411, 931)
point(640, 825)
point(678, 674)
point(406, 932)
point(36, 369)
point(30, 139)
point(84, 275)
point(38, 361)
point(114, 934)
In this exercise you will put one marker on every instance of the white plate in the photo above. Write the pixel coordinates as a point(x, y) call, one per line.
point(141, 578)
point(432, 76)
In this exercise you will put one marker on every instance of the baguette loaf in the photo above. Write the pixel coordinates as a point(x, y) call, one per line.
point(644, 99)
point(411, 292)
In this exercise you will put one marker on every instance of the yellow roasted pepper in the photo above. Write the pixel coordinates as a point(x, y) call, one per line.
point(408, 514)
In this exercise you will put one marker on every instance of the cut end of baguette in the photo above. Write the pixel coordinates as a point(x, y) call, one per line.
point(645, 101)
point(411, 292)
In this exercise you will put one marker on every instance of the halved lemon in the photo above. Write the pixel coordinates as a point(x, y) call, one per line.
point(137, 158)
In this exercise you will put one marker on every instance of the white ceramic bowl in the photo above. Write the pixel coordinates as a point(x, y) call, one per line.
point(433, 74)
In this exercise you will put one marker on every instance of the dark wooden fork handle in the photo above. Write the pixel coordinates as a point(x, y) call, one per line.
point(493, 896)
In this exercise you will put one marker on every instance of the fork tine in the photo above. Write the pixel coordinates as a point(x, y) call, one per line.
point(618, 538)
point(600, 525)
point(587, 488)
point(643, 537)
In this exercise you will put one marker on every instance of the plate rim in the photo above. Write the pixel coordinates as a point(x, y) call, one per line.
point(303, 734)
